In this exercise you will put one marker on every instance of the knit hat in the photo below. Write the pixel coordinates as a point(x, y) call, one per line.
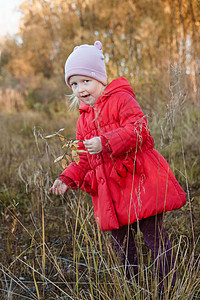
point(87, 60)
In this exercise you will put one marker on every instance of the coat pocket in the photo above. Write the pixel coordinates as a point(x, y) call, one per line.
point(128, 164)
point(122, 166)
point(90, 183)
point(136, 166)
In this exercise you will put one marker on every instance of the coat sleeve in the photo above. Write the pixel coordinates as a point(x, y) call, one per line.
point(74, 174)
point(133, 128)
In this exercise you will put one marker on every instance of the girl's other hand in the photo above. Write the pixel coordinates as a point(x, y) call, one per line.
point(93, 145)
point(59, 187)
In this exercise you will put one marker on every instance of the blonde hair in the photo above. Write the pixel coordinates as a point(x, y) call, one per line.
point(75, 102)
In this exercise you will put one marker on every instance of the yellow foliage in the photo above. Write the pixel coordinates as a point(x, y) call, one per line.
point(20, 67)
point(72, 148)
point(139, 37)
point(11, 100)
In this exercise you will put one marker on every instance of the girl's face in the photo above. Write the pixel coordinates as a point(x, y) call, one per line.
point(86, 88)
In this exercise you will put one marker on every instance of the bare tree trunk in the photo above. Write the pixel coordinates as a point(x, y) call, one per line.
point(183, 35)
point(195, 53)
point(172, 4)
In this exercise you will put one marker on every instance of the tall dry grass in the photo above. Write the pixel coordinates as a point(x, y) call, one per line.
point(51, 248)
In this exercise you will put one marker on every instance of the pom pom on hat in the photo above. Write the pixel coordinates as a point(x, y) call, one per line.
point(98, 44)
point(86, 60)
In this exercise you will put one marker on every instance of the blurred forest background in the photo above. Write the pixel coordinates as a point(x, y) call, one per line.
point(156, 46)
point(140, 39)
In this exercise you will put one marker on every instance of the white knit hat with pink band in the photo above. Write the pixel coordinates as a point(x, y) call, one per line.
point(86, 60)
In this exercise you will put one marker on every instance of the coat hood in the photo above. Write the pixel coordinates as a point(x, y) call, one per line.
point(118, 85)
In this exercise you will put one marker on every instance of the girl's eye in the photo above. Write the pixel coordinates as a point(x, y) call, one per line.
point(86, 80)
point(73, 84)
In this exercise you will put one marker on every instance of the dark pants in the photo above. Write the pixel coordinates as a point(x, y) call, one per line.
point(155, 238)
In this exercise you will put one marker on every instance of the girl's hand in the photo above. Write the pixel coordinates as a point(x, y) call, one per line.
point(59, 187)
point(93, 145)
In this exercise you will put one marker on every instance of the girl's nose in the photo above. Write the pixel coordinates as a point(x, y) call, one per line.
point(80, 88)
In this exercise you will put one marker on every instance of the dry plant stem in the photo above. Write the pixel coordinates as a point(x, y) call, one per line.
point(14, 216)
point(35, 283)
point(74, 252)
point(17, 281)
point(101, 251)
point(188, 193)
point(88, 262)
point(46, 279)
point(10, 294)
point(43, 234)
point(33, 239)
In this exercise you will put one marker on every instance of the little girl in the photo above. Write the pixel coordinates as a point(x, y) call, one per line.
point(131, 184)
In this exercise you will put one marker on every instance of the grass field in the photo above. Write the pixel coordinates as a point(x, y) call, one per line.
point(50, 247)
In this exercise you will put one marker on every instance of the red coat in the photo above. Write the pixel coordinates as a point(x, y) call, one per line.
point(129, 179)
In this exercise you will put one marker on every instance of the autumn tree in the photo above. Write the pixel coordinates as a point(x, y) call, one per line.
point(140, 39)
